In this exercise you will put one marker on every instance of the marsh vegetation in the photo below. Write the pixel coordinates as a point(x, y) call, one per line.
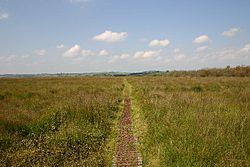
point(57, 121)
point(193, 121)
point(177, 121)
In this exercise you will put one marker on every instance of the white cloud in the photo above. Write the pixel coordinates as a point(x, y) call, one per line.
point(124, 56)
point(25, 56)
point(8, 58)
point(179, 57)
point(86, 53)
point(103, 53)
point(201, 39)
point(227, 54)
point(3, 15)
point(115, 58)
point(78, 60)
point(162, 43)
point(167, 60)
point(60, 46)
point(41, 52)
point(246, 48)
point(177, 50)
point(231, 32)
point(109, 36)
point(201, 49)
point(159, 58)
point(222, 54)
point(76, 51)
point(73, 51)
point(119, 57)
point(147, 54)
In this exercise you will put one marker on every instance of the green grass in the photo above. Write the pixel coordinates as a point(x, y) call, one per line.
point(72, 121)
point(58, 121)
point(193, 121)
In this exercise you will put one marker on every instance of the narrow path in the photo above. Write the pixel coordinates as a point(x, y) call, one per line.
point(126, 153)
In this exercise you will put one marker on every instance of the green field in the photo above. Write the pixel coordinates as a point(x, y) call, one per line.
point(58, 121)
point(178, 121)
point(193, 121)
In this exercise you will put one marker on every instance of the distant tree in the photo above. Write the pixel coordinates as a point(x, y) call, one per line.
point(239, 71)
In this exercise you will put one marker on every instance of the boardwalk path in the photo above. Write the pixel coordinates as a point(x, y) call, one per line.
point(126, 153)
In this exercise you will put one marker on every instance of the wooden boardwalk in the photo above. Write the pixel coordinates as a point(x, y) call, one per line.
point(126, 154)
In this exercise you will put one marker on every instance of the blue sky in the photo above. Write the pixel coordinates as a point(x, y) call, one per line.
point(49, 36)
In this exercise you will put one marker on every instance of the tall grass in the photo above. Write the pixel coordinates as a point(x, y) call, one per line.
point(58, 121)
point(193, 121)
